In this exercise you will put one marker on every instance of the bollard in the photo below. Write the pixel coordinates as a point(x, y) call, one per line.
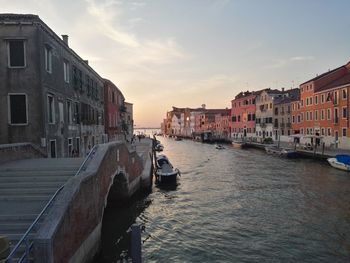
point(136, 255)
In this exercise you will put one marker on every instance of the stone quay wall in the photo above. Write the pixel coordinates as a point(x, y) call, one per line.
point(17, 151)
point(72, 229)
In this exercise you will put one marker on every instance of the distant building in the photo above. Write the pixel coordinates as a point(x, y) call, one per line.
point(243, 115)
point(114, 111)
point(49, 95)
point(282, 114)
point(264, 113)
point(128, 124)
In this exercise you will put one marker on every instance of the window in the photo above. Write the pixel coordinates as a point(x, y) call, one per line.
point(16, 54)
point(66, 71)
point(344, 132)
point(329, 132)
point(322, 114)
point(316, 99)
point(322, 131)
point(316, 115)
point(70, 112)
point(50, 109)
point(310, 115)
point(70, 147)
point(344, 94)
point(48, 59)
point(345, 112)
point(293, 119)
point(322, 98)
point(17, 109)
point(328, 114)
point(310, 101)
point(307, 115)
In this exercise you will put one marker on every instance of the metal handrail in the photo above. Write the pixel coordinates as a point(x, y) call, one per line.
point(24, 237)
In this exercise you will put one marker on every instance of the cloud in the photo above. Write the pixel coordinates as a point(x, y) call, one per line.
point(108, 20)
point(280, 63)
point(302, 58)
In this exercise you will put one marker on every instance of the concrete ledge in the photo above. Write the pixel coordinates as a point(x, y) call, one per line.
point(71, 230)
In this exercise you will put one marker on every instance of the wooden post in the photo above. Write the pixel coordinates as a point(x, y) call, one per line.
point(136, 254)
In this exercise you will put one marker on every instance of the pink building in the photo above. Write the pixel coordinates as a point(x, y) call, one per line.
point(243, 115)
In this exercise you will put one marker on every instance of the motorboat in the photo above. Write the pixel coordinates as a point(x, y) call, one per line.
point(341, 161)
point(219, 147)
point(284, 152)
point(165, 172)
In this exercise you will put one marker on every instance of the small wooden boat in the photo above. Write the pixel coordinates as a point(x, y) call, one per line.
point(165, 172)
point(341, 161)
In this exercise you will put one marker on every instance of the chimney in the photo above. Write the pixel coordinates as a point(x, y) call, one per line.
point(65, 39)
point(282, 89)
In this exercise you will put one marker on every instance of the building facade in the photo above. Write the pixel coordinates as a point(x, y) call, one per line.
point(264, 113)
point(282, 121)
point(114, 111)
point(324, 107)
point(49, 96)
point(243, 115)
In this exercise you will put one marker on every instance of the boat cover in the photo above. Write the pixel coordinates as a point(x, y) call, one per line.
point(343, 158)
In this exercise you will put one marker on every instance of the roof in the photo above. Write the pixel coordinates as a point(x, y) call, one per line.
point(323, 75)
point(336, 83)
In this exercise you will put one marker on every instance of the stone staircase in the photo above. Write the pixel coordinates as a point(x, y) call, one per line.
point(25, 188)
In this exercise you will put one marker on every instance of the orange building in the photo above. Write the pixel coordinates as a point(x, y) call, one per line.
point(323, 108)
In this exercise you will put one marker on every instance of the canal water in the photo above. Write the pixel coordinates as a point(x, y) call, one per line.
point(237, 205)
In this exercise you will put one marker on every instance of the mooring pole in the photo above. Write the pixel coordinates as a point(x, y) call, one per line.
point(136, 254)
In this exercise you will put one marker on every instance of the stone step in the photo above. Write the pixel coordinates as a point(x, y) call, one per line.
point(18, 218)
point(38, 197)
point(38, 185)
point(36, 173)
point(35, 179)
point(28, 191)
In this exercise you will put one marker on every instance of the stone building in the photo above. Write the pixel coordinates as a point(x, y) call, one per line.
point(264, 113)
point(128, 124)
point(49, 95)
point(282, 121)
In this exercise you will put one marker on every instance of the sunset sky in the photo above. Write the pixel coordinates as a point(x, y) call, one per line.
point(186, 53)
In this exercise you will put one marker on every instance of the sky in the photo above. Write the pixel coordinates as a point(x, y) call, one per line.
point(186, 53)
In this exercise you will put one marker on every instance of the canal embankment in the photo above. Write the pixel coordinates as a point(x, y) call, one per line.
point(71, 230)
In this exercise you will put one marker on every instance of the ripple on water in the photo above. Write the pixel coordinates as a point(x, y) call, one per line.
point(245, 206)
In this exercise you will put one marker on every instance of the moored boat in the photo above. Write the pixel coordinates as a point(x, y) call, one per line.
point(165, 172)
point(341, 161)
point(284, 152)
point(159, 147)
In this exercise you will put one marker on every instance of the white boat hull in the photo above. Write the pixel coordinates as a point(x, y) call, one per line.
point(341, 166)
